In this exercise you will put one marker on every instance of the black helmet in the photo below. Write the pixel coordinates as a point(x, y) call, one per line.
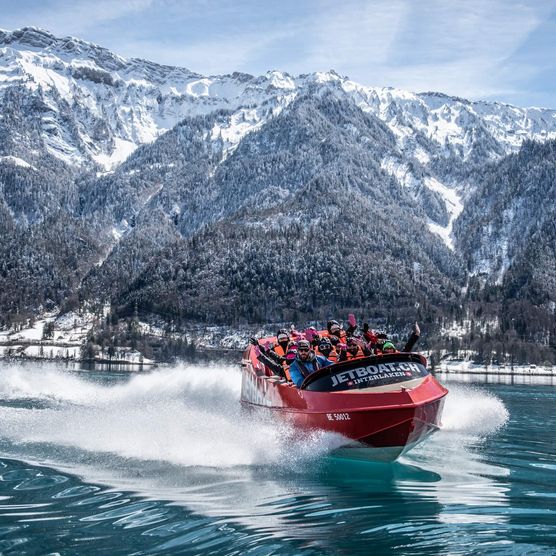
point(325, 342)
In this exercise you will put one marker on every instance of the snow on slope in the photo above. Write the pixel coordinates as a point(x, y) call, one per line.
point(138, 100)
point(454, 206)
point(15, 161)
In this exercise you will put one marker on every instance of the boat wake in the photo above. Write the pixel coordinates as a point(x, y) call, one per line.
point(187, 416)
point(471, 416)
point(180, 434)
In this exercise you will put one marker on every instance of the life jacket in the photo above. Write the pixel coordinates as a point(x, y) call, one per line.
point(359, 354)
point(279, 350)
point(332, 356)
point(342, 336)
point(287, 372)
point(370, 336)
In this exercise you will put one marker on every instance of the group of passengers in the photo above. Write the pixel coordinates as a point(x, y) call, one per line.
point(295, 355)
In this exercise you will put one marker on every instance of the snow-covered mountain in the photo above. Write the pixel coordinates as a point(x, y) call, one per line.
point(111, 161)
point(137, 100)
point(97, 106)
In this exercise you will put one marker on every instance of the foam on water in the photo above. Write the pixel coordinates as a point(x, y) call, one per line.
point(187, 415)
point(473, 411)
point(471, 415)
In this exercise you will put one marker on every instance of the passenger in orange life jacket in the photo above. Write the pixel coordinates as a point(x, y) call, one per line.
point(336, 331)
point(326, 348)
point(354, 349)
point(282, 339)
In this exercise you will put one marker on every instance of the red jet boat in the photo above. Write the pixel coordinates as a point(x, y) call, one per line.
point(386, 402)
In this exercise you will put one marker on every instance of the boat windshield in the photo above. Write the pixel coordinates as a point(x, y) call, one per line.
point(367, 372)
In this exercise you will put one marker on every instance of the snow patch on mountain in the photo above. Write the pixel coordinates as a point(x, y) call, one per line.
point(122, 150)
point(451, 198)
point(15, 161)
point(400, 170)
point(454, 206)
point(227, 135)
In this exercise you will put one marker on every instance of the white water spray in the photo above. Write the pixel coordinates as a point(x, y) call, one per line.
point(473, 411)
point(187, 415)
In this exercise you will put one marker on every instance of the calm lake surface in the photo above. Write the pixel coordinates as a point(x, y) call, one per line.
point(166, 463)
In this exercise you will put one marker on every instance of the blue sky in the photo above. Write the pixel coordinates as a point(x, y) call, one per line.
point(479, 49)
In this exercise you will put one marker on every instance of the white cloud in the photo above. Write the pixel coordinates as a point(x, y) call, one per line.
point(460, 47)
point(353, 32)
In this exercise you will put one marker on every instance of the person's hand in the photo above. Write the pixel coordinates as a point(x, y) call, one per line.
point(365, 327)
point(254, 341)
point(416, 329)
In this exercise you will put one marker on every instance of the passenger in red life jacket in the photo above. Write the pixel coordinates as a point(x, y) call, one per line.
point(377, 340)
point(306, 362)
point(380, 338)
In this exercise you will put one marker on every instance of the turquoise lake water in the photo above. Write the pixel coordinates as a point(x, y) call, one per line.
point(166, 463)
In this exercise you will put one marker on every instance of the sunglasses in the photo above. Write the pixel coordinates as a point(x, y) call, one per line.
point(302, 349)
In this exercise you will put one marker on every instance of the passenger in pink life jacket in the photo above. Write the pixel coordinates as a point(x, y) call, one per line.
point(306, 362)
point(313, 336)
